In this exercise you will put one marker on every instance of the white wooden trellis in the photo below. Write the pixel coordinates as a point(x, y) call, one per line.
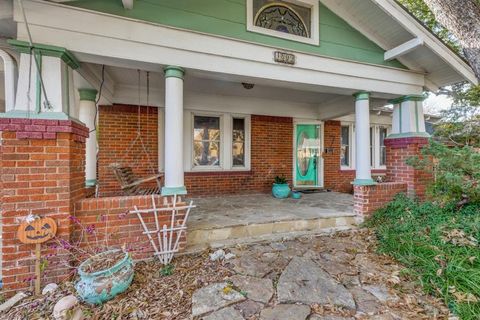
point(165, 249)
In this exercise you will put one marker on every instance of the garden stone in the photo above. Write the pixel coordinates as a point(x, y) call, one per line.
point(229, 256)
point(49, 288)
point(251, 266)
point(228, 313)
point(249, 308)
point(305, 282)
point(285, 312)
point(278, 246)
point(380, 292)
point(318, 317)
point(12, 301)
point(257, 289)
point(217, 255)
point(366, 302)
point(64, 309)
point(212, 298)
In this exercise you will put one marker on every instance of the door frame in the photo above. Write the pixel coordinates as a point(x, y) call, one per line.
point(320, 164)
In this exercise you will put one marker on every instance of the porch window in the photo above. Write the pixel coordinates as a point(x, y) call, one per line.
point(238, 142)
point(206, 141)
point(345, 147)
point(383, 149)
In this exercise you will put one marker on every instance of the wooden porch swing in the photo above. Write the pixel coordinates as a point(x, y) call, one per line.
point(130, 184)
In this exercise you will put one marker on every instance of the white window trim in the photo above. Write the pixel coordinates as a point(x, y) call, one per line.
point(376, 145)
point(351, 153)
point(314, 23)
point(226, 139)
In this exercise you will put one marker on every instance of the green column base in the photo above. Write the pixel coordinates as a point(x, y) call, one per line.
point(91, 182)
point(170, 191)
point(363, 182)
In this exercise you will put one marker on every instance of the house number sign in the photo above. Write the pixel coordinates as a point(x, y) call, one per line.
point(284, 57)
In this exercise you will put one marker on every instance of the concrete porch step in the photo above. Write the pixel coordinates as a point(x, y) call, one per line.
point(201, 238)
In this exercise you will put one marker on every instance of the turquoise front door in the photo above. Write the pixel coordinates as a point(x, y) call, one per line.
point(307, 155)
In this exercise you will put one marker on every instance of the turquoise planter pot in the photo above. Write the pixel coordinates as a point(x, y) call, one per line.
point(101, 286)
point(281, 191)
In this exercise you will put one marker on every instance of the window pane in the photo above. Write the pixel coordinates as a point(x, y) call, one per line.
point(206, 153)
point(238, 143)
point(206, 141)
point(371, 146)
point(345, 147)
point(383, 149)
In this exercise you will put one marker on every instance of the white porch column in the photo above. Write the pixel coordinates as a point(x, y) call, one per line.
point(408, 119)
point(174, 175)
point(87, 115)
point(362, 139)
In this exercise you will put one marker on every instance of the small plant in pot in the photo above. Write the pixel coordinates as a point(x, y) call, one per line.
point(280, 188)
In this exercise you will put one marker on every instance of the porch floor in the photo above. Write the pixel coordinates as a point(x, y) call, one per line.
point(227, 220)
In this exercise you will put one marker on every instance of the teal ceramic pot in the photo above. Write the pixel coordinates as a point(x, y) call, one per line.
point(103, 285)
point(296, 195)
point(281, 191)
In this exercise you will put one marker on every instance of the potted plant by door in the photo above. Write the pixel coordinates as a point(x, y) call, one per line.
point(280, 188)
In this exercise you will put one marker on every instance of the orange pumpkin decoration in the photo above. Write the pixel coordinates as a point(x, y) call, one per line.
point(37, 231)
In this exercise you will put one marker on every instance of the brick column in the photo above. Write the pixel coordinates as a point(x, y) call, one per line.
point(398, 151)
point(42, 169)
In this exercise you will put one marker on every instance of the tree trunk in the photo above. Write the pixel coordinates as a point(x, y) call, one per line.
point(462, 19)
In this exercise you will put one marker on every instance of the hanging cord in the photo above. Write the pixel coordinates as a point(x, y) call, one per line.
point(138, 137)
point(47, 103)
point(95, 124)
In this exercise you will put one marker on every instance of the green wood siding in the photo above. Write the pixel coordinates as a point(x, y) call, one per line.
point(228, 18)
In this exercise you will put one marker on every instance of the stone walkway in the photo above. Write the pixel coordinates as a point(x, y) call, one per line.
point(315, 278)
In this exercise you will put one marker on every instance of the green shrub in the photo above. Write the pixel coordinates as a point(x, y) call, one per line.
point(438, 245)
point(456, 172)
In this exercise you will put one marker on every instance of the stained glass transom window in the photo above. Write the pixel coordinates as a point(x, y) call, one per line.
point(281, 18)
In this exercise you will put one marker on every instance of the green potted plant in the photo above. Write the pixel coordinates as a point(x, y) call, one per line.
point(280, 188)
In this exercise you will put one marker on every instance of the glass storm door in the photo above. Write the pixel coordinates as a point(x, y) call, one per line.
point(307, 155)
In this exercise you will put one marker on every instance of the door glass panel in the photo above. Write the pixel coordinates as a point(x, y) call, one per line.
point(307, 155)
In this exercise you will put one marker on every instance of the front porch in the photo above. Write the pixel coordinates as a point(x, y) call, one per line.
point(228, 220)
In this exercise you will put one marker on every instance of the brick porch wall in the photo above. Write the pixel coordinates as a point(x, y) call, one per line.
point(367, 199)
point(117, 130)
point(42, 170)
point(398, 151)
point(271, 153)
point(110, 219)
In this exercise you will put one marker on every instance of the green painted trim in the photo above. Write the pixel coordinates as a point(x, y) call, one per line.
point(46, 50)
point(412, 97)
point(361, 95)
point(88, 94)
point(364, 182)
point(174, 72)
point(408, 135)
point(42, 115)
point(38, 84)
point(170, 191)
point(90, 182)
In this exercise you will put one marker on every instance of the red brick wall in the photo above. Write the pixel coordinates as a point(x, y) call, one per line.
point(367, 199)
point(43, 173)
point(398, 151)
point(271, 155)
point(113, 226)
point(117, 130)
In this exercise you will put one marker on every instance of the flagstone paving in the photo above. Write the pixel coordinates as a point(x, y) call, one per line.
point(315, 278)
